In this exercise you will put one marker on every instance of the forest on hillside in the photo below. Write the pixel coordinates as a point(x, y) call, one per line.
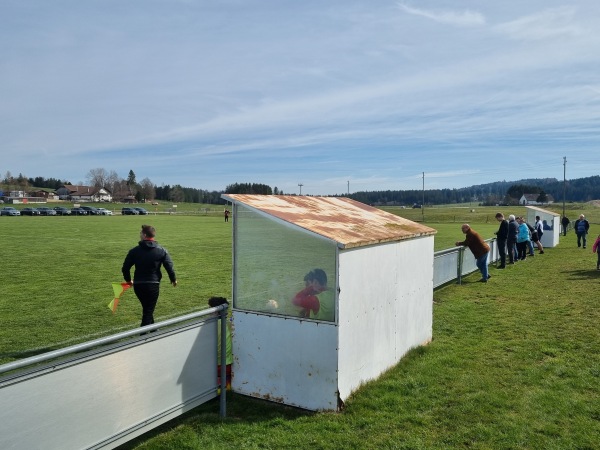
point(499, 192)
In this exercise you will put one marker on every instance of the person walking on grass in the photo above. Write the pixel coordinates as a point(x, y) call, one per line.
point(147, 257)
point(596, 249)
point(582, 227)
point(479, 248)
point(565, 224)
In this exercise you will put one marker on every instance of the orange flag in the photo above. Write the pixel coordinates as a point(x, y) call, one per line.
point(118, 289)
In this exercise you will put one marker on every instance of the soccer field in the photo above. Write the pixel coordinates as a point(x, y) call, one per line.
point(56, 275)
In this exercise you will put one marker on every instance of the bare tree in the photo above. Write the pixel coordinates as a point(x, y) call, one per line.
point(97, 177)
point(176, 195)
point(147, 189)
point(120, 190)
point(112, 181)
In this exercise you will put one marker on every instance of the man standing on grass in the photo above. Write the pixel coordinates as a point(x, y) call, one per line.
point(582, 227)
point(501, 237)
point(479, 248)
point(147, 257)
point(511, 242)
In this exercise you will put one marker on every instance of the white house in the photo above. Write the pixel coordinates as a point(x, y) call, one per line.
point(377, 305)
point(83, 193)
point(531, 199)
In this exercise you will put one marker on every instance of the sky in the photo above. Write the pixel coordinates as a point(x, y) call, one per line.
point(312, 97)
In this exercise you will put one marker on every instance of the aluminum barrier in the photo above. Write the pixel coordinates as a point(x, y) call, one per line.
point(456, 262)
point(103, 393)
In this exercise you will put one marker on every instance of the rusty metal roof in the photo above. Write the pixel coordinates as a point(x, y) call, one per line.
point(346, 221)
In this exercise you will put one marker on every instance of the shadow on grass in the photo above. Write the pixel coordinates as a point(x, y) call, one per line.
point(240, 409)
point(588, 274)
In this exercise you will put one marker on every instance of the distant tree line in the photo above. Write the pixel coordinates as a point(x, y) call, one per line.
point(127, 188)
point(499, 192)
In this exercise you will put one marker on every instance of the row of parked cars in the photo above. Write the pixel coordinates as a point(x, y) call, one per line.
point(62, 211)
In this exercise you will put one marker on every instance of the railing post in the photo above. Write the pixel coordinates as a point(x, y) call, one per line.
point(461, 252)
point(223, 350)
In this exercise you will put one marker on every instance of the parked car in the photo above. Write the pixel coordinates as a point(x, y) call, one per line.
point(62, 211)
point(9, 211)
point(78, 212)
point(141, 210)
point(90, 210)
point(129, 211)
point(45, 211)
point(105, 212)
point(30, 212)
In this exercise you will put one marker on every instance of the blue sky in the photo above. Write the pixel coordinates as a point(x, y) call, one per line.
point(333, 95)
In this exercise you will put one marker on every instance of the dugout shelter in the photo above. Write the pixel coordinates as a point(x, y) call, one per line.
point(377, 304)
point(551, 225)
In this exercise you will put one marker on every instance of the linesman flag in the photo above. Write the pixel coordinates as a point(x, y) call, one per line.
point(118, 289)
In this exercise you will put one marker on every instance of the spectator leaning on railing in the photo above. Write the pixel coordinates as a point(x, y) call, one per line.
point(479, 248)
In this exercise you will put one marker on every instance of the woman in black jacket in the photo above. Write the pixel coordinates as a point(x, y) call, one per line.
point(147, 257)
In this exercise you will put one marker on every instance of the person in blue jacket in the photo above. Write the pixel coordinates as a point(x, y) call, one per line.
point(581, 227)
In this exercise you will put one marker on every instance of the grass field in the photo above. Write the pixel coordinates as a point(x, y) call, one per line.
point(514, 363)
point(57, 271)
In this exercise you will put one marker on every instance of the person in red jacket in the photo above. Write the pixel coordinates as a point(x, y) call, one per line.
point(479, 248)
point(315, 282)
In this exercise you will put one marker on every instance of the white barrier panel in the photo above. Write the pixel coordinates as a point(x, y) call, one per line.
point(104, 399)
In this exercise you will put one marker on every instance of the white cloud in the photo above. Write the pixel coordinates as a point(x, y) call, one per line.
point(551, 23)
point(464, 18)
point(310, 92)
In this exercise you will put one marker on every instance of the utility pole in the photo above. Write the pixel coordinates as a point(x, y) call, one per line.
point(423, 202)
point(348, 187)
point(300, 184)
point(564, 182)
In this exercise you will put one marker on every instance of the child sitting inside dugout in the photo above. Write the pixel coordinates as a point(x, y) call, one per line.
point(311, 306)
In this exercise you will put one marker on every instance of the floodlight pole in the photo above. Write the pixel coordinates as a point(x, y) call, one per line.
point(564, 182)
point(300, 184)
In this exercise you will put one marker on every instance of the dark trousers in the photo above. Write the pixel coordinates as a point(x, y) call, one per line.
point(147, 294)
point(512, 251)
point(502, 251)
point(522, 250)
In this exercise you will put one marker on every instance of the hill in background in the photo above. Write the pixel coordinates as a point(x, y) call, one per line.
point(575, 190)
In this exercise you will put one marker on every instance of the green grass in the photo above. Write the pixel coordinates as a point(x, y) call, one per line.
point(514, 363)
point(57, 273)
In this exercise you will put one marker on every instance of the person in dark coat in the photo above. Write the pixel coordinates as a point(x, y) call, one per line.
point(565, 224)
point(511, 240)
point(581, 227)
point(148, 257)
point(501, 237)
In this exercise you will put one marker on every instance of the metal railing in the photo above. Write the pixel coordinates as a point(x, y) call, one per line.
point(454, 263)
point(103, 393)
